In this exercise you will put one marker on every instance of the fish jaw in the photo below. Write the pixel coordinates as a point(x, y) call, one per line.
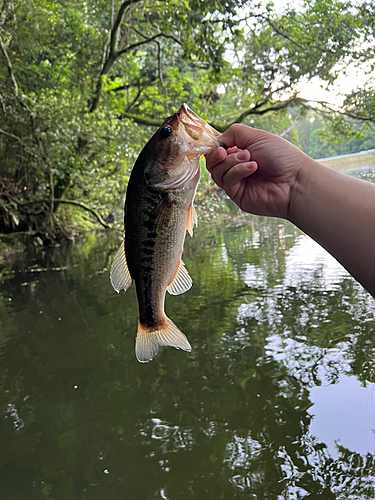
point(189, 117)
point(197, 136)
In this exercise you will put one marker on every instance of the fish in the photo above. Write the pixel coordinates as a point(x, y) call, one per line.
point(158, 211)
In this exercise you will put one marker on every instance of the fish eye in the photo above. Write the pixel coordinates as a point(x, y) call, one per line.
point(165, 132)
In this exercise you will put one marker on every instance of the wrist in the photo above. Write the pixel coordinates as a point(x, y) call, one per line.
point(302, 189)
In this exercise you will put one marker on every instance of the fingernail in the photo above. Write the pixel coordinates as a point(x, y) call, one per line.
point(242, 155)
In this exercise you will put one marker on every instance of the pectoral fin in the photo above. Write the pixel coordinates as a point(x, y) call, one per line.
point(191, 219)
point(120, 276)
point(181, 282)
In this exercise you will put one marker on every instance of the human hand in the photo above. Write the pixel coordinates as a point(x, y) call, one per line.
point(258, 171)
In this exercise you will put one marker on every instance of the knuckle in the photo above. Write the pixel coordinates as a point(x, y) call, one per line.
point(235, 127)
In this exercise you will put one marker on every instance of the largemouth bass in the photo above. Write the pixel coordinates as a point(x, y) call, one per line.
point(158, 211)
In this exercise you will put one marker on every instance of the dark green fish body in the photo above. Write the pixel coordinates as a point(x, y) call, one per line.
point(158, 211)
point(155, 224)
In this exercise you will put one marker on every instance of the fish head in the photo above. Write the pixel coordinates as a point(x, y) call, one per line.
point(178, 144)
point(183, 134)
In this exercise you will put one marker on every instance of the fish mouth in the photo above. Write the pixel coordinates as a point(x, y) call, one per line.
point(193, 123)
point(201, 136)
point(192, 137)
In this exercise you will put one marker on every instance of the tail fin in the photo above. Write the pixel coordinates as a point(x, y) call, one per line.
point(150, 339)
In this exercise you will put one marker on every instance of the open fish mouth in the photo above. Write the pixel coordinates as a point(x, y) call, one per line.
point(202, 136)
point(194, 125)
point(198, 130)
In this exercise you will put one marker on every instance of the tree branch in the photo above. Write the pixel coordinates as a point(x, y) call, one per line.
point(10, 135)
point(68, 202)
point(111, 57)
point(331, 111)
point(114, 54)
point(257, 111)
point(116, 25)
point(142, 120)
point(289, 129)
point(284, 35)
point(137, 84)
point(348, 113)
point(22, 104)
point(160, 71)
point(9, 65)
point(147, 40)
point(131, 104)
point(222, 127)
point(19, 233)
point(86, 207)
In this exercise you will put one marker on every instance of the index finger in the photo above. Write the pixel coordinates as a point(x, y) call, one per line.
point(237, 135)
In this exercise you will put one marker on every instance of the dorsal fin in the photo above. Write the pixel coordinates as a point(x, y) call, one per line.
point(120, 276)
point(191, 219)
point(181, 282)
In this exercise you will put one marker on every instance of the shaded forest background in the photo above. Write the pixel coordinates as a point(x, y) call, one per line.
point(84, 84)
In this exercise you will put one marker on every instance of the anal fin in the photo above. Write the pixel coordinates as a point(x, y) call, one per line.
point(150, 339)
point(191, 219)
point(181, 282)
point(120, 275)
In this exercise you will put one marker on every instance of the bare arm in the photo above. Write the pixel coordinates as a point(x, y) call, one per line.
point(338, 212)
point(266, 175)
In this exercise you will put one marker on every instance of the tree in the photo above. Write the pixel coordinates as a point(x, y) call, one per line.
point(81, 83)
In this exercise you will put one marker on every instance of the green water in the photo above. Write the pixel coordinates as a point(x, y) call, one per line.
point(276, 400)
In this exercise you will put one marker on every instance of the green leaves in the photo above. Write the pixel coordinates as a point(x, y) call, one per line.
point(91, 77)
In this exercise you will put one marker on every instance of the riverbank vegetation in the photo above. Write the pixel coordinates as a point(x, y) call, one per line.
point(84, 84)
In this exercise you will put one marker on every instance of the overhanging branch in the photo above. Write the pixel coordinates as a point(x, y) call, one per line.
point(79, 204)
point(327, 110)
point(142, 120)
point(258, 109)
point(10, 135)
point(349, 114)
point(94, 212)
point(147, 40)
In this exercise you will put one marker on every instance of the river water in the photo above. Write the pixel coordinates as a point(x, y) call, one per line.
point(275, 401)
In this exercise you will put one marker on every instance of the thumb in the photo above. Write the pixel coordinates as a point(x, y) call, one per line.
point(238, 135)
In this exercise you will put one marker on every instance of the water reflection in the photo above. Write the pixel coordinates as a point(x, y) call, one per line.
point(344, 413)
point(274, 402)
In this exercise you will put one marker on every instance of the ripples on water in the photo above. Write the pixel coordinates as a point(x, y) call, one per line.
point(276, 401)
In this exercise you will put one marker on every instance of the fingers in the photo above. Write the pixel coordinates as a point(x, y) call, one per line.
point(238, 135)
point(220, 162)
point(218, 156)
point(235, 175)
point(229, 173)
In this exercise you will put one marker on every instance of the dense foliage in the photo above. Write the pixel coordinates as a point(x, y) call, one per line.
point(82, 83)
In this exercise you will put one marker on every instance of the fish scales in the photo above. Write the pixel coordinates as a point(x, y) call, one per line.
point(152, 248)
point(158, 211)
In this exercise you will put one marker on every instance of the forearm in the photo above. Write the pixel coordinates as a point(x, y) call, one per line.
point(338, 211)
